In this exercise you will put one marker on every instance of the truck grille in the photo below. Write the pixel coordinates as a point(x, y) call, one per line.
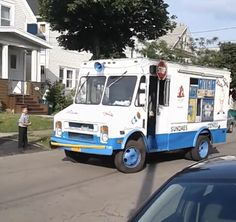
point(80, 136)
point(82, 126)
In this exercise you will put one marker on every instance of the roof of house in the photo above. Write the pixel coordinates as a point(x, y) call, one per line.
point(172, 38)
point(25, 35)
point(34, 5)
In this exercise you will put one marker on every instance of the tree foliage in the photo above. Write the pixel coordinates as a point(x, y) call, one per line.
point(203, 43)
point(57, 98)
point(105, 27)
point(161, 50)
point(228, 55)
point(223, 57)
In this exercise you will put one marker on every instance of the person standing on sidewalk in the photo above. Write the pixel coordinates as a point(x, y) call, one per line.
point(23, 124)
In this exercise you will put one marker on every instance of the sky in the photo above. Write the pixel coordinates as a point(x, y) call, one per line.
point(204, 15)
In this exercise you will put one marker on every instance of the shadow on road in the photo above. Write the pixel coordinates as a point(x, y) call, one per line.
point(100, 161)
point(9, 146)
point(213, 150)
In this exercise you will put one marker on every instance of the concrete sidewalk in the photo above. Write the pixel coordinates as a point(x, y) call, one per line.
point(8, 134)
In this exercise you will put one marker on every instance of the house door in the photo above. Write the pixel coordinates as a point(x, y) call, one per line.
point(16, 65)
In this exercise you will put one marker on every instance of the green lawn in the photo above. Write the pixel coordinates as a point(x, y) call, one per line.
point(8, 123)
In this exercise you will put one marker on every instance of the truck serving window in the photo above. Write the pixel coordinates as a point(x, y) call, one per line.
point(90, 90)
point(119, 90)
point(201, 100)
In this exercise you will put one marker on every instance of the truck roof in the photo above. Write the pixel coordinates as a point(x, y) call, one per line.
point(143, 64)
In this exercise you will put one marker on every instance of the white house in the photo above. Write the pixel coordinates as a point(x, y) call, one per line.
point(57, 63)
point(19, 54)
point(179, 38)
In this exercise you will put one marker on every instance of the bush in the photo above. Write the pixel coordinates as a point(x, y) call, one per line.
point(56, 96)
point(2, 106)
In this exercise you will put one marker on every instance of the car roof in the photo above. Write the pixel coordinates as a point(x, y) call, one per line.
point(218, 168)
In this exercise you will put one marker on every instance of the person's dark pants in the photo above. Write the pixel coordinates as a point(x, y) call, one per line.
point(22, 137)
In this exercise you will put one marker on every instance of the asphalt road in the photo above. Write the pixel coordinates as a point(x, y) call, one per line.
point(45, 186)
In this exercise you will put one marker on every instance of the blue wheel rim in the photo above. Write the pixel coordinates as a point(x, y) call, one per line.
point(203, 149)
point(131, 157)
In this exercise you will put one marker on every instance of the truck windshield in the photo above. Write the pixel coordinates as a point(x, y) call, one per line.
point(90, 90)
point(119, 91)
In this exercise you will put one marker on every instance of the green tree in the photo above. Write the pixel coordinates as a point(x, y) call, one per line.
point(56, 96)
point(225, 57)
point(161, 50)
point(202, 43)
point(228, 59)
point(208, 57)
point(105, 27)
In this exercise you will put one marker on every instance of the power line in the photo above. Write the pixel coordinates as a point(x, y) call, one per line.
point(214, 30)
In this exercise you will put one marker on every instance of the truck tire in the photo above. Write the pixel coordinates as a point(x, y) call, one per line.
point(132, 158)
point(202, 148)
point(76, 156)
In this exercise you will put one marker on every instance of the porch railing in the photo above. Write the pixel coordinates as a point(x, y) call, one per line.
point(17, 87)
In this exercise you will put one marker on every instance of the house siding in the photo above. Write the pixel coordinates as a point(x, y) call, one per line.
point(57, 57)
point(23, 15)
point(64, 58)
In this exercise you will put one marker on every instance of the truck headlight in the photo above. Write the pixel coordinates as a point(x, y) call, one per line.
point(104, 134)
point(58, 128)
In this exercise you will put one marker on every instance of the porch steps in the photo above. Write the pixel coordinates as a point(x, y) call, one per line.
point(33, 105)
point(3, 92)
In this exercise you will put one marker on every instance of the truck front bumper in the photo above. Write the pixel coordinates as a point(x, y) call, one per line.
point(77, 146)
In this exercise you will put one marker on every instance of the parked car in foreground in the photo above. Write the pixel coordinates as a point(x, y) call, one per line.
point(231, 122)
point(204, 192)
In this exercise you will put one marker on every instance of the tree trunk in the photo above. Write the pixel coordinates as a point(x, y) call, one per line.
point(96, 48)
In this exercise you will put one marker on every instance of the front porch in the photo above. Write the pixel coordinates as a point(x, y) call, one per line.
point(20, 69)
point(16, 94)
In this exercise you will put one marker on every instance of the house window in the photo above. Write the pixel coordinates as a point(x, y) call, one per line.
point(13, 59)
point(61, 75)
point(42, 28)
point(5, 16)
point(43, 73)
point(42, 69)
point(69, 76)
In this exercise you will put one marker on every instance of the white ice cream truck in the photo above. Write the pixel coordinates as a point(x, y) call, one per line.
point(129, 108)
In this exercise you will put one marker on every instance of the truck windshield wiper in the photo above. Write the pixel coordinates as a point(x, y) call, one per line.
point(117, 80)
point(83, 83)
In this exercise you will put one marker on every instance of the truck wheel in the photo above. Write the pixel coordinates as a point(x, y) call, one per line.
point(231, 128)
point(202, 148)
point(78, 157)
point(132, 158)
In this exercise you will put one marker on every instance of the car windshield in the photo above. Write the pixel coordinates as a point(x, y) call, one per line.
point(119, 90)
point(90, 90)
point(198, 202)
